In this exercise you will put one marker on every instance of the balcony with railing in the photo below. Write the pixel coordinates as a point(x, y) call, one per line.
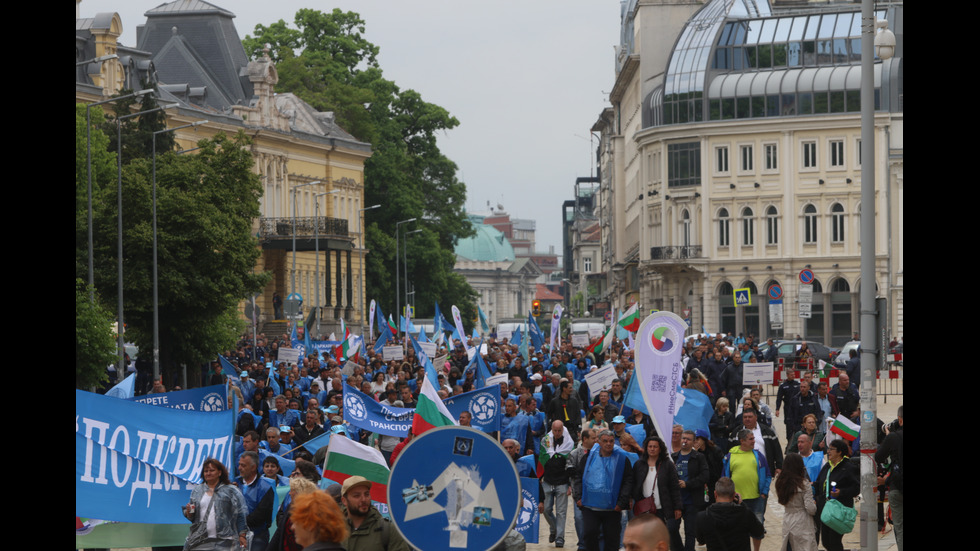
point(277, 233)
point(678, 253)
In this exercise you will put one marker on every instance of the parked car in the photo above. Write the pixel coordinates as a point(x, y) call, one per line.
point(787, 351)
point(845, 353)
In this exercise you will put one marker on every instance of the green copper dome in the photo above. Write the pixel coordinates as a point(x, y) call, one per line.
point(488, 245)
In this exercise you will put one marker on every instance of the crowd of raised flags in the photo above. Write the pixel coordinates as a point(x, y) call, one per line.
point(462, 365)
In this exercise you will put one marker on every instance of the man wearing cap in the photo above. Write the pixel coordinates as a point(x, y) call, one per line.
point(286, 436)
point(624, 438)
point(368, 530)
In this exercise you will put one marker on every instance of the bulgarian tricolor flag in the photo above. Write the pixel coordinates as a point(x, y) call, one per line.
point(630, 320)
point(391, 325)
point(347, 458)
point(603, 344)
point(844, 428)
point(343, 350)
point(430, 412)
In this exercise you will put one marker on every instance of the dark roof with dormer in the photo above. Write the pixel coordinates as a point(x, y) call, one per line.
point(195, 43)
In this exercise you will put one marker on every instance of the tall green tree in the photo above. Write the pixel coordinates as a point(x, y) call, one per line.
point(95, 347)
point(326, 60)
point(206, 202)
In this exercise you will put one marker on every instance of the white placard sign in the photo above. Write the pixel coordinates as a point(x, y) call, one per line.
point(497, 379)
point(776, 312)
point(595, 332)
point(440, 361)
point(503, 334)
point(472, 350)
point(289, 355)
point(349, 368)
point(393, 353)
point(600, 379)
point(580, 340)
point(757, 373)
point(429, 348)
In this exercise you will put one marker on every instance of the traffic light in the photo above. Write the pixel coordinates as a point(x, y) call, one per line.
point(536, 307)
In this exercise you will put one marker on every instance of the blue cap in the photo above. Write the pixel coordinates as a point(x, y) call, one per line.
point(619, 419)
point(333, 409)
point(339, 429)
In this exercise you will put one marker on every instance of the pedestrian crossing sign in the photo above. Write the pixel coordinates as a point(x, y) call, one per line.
point(743, 297)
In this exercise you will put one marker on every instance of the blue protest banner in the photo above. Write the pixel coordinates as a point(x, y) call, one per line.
point(528, 517)
point(122, 489)
point(208, 398)
point(136, 463)
point(365, 412)
point(483, 404)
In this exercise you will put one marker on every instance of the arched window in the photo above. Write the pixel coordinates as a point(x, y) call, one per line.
point(724, 228)
point(837, 223)
point(685, 228)
point(748, 227)
point(726, 307)
point(809, 224)
point(772, 226)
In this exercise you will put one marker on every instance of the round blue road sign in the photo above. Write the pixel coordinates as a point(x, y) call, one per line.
point(775, 291)
point(806, 276)
point(454, 488)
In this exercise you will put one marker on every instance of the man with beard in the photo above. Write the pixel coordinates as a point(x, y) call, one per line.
point(369, 531)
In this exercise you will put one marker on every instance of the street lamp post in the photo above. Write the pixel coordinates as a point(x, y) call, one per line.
point(88, 162)
point(316, 240)
point(360, 254)
point(121, 343)
point(156, 286)
point(870, 341)
point(405, 260)
point(398, 296)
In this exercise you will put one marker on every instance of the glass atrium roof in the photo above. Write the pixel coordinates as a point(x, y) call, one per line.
point(734, 59)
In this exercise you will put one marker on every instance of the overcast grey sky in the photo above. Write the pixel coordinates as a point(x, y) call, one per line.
point(526, 79)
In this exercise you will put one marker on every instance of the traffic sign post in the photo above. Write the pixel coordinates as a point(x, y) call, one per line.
point(806, 300)
point(776, 313)
point(454, 488)
point(293, 306)
point(743, 297)
point(775, 292)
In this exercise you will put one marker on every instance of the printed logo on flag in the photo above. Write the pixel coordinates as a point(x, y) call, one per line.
point(213, 401)
point(483, 408)
point(528, 508)
point(355, 407)
point(663, 339)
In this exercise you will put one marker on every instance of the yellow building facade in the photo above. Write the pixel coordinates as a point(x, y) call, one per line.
point(312, 171)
